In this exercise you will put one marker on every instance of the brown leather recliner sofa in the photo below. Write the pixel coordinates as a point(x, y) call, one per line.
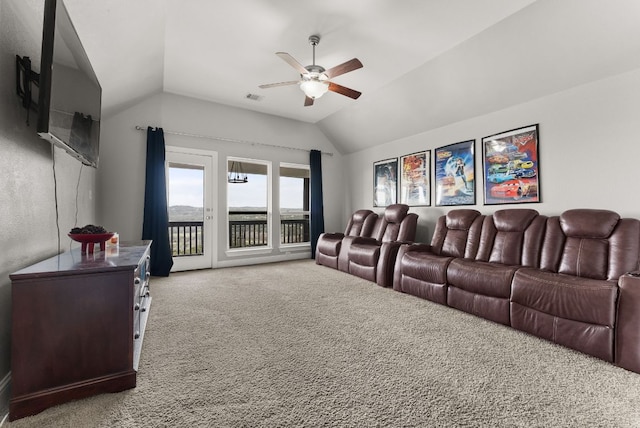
point(570, 279)
point(371, 252)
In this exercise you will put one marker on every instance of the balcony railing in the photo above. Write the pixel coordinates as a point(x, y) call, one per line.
point(186, 238)
point(246, 229)
point(294, 231)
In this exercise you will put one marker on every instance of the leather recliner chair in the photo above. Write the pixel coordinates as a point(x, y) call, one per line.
point(374, 258)
point(421, 270)
point(361, 223)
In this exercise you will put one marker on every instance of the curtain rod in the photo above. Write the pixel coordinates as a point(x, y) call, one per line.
point(230, 140)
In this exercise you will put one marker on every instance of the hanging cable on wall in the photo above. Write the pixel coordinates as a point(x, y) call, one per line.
point(55, 193)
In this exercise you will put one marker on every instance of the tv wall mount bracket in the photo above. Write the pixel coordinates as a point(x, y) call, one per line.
point(25, 78)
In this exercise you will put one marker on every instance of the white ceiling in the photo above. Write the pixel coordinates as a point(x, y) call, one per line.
point(426, 62)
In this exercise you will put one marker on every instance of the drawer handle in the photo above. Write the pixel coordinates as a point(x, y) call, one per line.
point(136, 281)
point(137, 335)
point(136, 307)
point(143, 309)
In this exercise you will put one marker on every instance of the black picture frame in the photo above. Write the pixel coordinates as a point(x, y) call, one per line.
point(454, 174)
point(385, 182)
point(414, 185)
point(511, 166)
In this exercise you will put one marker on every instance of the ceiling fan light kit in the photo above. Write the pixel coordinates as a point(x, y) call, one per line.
point(315, 85)
point(314, 79)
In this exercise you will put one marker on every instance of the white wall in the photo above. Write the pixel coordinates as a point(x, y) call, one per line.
point(27, 204)
point(589, 151)
point(543, 48)
point(121, 176)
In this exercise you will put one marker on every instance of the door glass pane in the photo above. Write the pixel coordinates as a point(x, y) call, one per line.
point(247, 202)
point(186, 209)
point(294, 204)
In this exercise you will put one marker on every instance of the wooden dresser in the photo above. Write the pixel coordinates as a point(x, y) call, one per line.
point(77, 326)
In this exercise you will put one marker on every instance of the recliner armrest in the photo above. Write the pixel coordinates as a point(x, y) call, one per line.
point(386, 263)
point(362, 240)
point(419, 247)
point(627, 340)
point(331, 235)
point(343, 257)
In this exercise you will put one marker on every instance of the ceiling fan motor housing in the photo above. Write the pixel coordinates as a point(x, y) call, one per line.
point(316, 71)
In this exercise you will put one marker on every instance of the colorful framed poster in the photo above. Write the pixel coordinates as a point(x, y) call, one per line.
point(385, 182)
point(510, 167)
point(414, 179)
point(454, 173)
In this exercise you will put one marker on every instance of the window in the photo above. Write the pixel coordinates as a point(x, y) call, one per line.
point(186, 209)
point(248, 203)
point(294, 204)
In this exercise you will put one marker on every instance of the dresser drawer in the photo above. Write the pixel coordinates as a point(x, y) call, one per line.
point(140, 293)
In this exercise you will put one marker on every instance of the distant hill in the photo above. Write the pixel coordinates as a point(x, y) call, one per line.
point(185, 213)
point(189, 213)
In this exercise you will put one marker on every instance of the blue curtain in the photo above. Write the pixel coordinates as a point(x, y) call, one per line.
point(156, 216)
point(317, 207)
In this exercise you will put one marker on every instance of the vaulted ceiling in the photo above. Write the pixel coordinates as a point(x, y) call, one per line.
point(427, 63)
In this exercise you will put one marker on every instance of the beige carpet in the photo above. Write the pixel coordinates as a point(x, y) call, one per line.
point(299, 345)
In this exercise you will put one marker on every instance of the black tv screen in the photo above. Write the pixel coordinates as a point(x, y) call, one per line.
point(70, 96)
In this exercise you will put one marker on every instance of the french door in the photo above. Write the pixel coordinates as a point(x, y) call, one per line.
point(191, 201)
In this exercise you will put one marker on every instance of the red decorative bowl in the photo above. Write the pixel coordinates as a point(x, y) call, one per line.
point(88, 240)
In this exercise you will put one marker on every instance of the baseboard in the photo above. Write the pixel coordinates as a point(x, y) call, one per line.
point(262, 260)
point(5, 394)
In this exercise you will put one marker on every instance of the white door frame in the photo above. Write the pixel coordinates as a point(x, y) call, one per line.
point(209, 161)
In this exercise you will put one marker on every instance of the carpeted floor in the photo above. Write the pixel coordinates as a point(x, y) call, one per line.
point(299, 345)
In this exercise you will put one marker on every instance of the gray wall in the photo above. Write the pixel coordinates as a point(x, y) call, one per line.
point(121, 172)
point(27, 204)
point(588, 150)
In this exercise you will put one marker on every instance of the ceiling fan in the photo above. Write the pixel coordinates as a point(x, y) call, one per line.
point(315, 81)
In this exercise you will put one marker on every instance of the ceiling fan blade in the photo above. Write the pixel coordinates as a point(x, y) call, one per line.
point(273, 85)
point(292, 62)
point(308, 101)
point(343, 68)
point(334, 87)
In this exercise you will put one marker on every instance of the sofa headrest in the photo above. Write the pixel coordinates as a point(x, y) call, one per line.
point(360, 215)
point(461, 219)
point(396, 213)
point(588, 223)
point(513, 220)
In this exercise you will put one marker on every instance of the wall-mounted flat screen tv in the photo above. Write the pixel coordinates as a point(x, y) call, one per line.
point(70, 96)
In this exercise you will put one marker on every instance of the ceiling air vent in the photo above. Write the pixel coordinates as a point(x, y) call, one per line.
point(254, 97)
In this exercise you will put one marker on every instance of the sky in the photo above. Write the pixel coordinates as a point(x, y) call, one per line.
point(186, 188)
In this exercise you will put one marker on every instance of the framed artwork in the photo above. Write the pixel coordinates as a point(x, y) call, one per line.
point(414, 179)
point(510, 167)
point(454, 173)
point(385, 182)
